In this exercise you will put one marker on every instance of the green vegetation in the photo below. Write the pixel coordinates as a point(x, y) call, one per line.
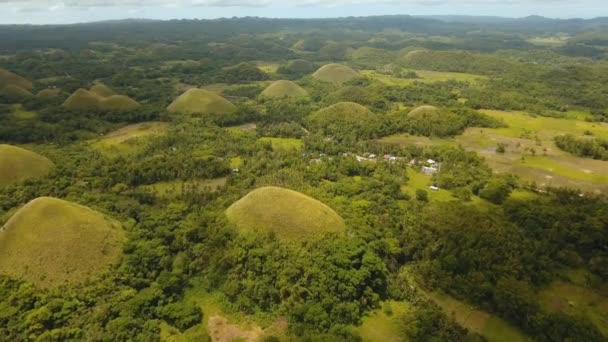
point(128, 139)
point(451, 189)
point(297, 67)
point(595, 148)
point(102, 90)
point(345, 119)
point(82, 99)
point(201, 101)
point(282, 88)
point(51, 242)
point(287, 213)
point(285, 144)
point(335, 73)
point(8, 78)
point(17, 164)
point(118, 103)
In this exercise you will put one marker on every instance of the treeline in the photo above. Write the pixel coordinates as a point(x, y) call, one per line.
point(596, 148)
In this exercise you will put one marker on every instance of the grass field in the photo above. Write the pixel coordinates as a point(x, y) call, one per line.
point(170, 190)
point(236, 162)
point(530, 153)
point(20, 113)
point(51, 242)
point(18, 164)
point(129, 139)
point(222, 325)
point(421, 181)
point(383, 327)
point(493, 328)
point(426, 76)
point(288, 214)
point(579, 301)
point(284, 144)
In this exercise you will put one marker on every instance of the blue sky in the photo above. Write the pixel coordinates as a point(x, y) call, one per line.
point(71, 11)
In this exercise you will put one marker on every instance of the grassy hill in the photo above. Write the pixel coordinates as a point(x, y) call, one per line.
point(90, 99)
point(13, 93)
point(355, 94)
point(287, 213)
point(299, 66)
point(102, 90)
point(283, 88)
point(201, 101)
point(82, 99)
point(118, 103)
point(51, 242)
point(335, 73)
point(9, 78)
point(48, 93)
point(17, 164)
point(129, 139)
point(372, 57)
point(344, 118)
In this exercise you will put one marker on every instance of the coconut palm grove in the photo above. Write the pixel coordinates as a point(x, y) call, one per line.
point(389, 178)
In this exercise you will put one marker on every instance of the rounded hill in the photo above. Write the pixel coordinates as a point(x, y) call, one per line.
point(18, 164)
point(355, 94)
point(48, 93)
point(335, 73)
point(9, 78)
point(82, 99)
point(299, 66)
point(13, 93)
point(424, 110)
point(118, 103)
point(288, 214)
point(51, 242)
point(283, 88)
point(201, 101)
point(345, 118)
point(432, 121)
point(102, 90)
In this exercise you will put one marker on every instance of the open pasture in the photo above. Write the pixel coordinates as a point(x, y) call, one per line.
point(128, 139)
point(426, 76)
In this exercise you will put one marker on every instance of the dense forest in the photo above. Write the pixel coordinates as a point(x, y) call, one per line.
point(305, 180)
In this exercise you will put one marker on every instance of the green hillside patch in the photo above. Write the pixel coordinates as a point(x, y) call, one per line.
point(13, 94)
point(420, 181)
point(201, 101)
point(118, 103)
point(48, 93)
point(335, 73)
point(102, 90)
point(82, 99)
point(20, 113)
point(129, 139)
point(173, 189)
point(299, 66)
point(425, 76)
point(282, 88)
point(372, 57)
point(18, 164)
point(382, 326)
point(493, 328)
point(288, 214)
point(284, 144)
point(577, 301)
point(51, 242)
point(9, 78)
point(345, 118)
